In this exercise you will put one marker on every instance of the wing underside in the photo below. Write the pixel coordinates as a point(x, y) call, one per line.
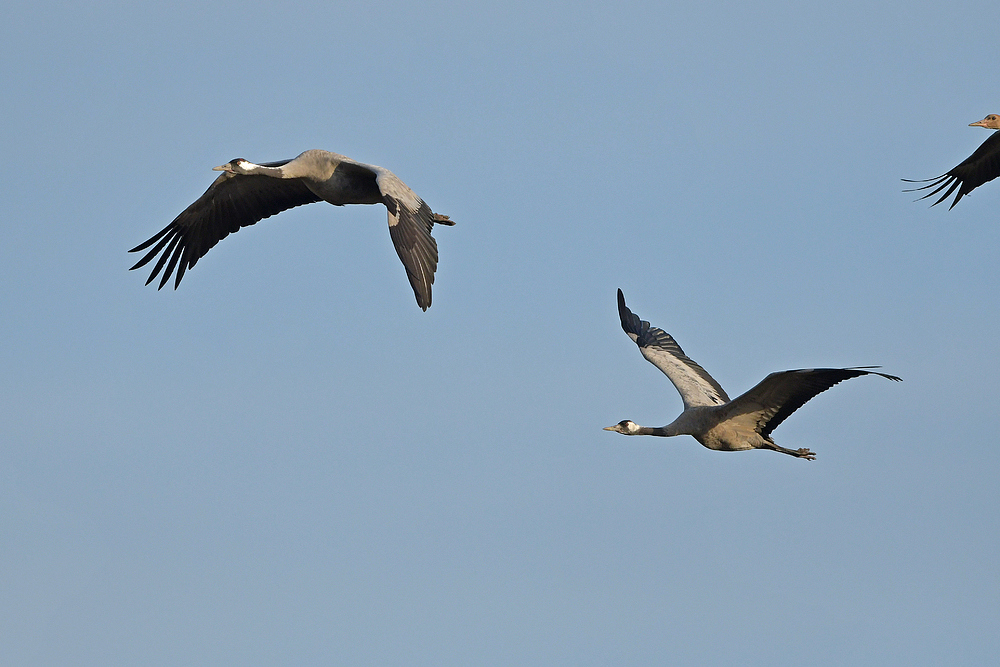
point(232, 201)
point(693, 383)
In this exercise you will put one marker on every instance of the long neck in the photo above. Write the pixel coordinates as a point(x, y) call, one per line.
point(663, 431)
point(273, 172)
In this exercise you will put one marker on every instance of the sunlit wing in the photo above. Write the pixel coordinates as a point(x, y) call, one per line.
point(693, 382)
point(782, 393)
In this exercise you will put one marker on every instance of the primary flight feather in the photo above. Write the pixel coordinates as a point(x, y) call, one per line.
point(246, 193)
point(979, 168)
point(714, 420)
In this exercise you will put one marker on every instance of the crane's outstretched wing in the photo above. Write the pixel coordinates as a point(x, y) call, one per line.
point(410, 224)
point(231, 202)
point(980, 167)
point(782, 393)
point(693, 382)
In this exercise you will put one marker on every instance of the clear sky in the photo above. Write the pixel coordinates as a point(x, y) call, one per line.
point(286, 462)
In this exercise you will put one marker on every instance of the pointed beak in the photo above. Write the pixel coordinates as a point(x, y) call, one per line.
point(223, 167)
point(978, 123)
point(609, 428)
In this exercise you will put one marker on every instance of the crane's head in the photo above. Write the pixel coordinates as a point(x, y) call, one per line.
point(237, 166)
point(991, 122)
point(625, 427)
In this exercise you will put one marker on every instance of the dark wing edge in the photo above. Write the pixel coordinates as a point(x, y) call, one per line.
point(647, 335)
point(231, 202)
point(979, 168)
point(410, 232)
point(811, 383)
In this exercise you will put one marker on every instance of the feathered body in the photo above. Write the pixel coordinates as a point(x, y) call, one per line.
point(246, 193)
point(709, 415)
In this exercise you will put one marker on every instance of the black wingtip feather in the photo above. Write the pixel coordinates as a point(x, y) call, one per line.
point(954, 184)
point(167, 252)
point(868, 370)
point(152, 253)
point(624, 314)
point(229, 204)
point(176, 255)
point(818, 380)
point(632, 324)
point(146, 244)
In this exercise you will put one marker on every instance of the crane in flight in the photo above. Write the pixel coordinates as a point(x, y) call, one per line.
point(979, 168)
point(246, 193)
point(709, 415)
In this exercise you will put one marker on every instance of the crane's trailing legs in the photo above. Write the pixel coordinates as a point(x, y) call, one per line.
point(801, 453)
point(709, 415)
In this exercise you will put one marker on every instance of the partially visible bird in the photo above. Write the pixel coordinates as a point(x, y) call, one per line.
point(709, 416)
point(980, 167)
point(246, 193)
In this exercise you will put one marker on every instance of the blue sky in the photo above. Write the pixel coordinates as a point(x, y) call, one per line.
point(286, 462)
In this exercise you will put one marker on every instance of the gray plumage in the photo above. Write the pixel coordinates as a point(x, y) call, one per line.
point(246, 193)
point(709, 415)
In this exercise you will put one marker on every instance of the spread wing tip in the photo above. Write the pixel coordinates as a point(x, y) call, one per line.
point(625, 315)
point(633, 325)
point(868, 371)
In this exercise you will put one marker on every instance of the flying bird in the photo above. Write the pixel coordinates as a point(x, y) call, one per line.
point(980, 167)
point(246, 193)
point(714, 420)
